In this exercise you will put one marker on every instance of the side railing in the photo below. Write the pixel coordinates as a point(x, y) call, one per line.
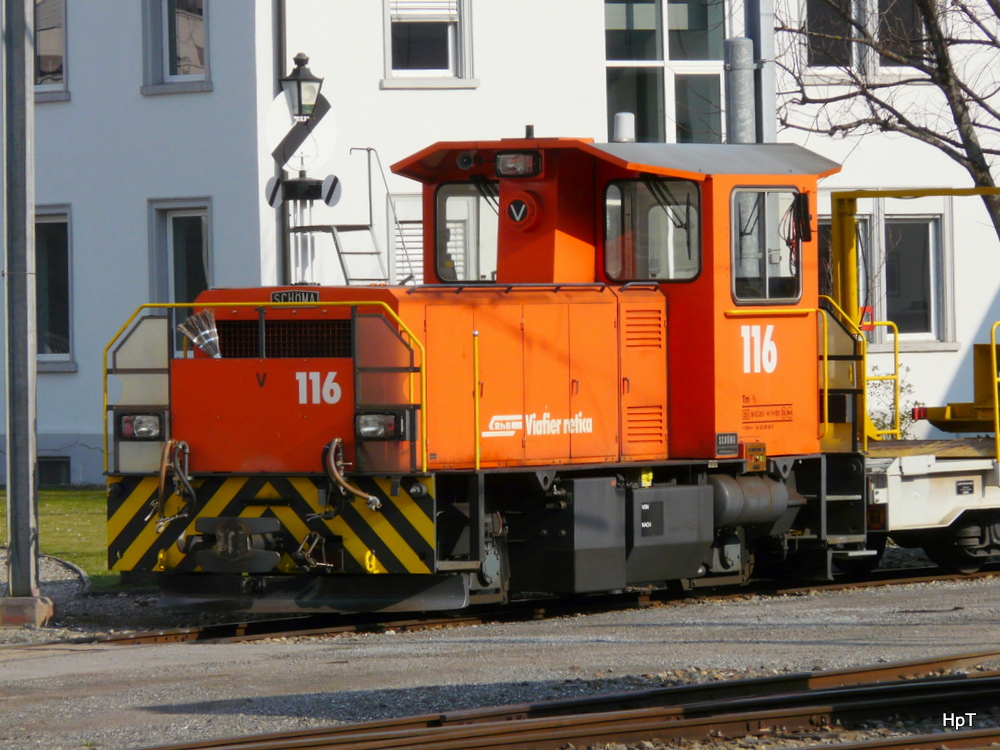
point(870, 429)
point(996, 385)
point(120, 338)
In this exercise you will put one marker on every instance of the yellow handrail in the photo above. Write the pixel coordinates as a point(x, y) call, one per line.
point(996, 382)
point(340, 303)
point(894, 377)
point(855, 329)
point(475, 398)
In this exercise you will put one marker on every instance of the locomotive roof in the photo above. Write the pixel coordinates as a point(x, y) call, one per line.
point(689, 160)
point(721, 158)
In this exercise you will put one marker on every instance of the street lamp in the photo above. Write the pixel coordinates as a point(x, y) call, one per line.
point(302, 88)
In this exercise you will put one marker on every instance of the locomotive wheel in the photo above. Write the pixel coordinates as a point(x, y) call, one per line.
point(954, 550)
point(955, 559)
point(862, 566)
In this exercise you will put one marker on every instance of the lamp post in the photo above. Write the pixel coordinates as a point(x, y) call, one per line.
point(302, 88)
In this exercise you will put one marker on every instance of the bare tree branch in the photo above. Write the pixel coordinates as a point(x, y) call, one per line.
point(926, 69)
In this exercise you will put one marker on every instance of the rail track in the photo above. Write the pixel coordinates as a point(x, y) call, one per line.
point(522, 610)
point(774, 706)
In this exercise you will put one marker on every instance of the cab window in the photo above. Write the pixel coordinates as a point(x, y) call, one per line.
point(652, 230)
point(766, 246)
point(467, 226)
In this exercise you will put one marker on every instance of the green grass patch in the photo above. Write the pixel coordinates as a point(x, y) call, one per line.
point(72, 525)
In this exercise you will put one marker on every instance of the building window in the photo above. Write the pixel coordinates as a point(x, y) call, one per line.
point(911, 275)
point(829, 27)
point(665, 66)
point(903, 271)
point(53, 289)
point(54, 471)
point(50, 50)
point(428, 44)
point(834, 29)
point(176, 46)
point(181, 253)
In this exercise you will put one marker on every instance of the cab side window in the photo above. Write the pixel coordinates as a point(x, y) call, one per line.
point(766, 246)
point(652, 230)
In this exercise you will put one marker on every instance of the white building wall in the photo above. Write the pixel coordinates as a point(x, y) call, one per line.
point(533, 63)
point(107, 152)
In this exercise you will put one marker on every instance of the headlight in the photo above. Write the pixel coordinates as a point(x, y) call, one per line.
point(518, 164)
point(384, 426)
point(140, 426)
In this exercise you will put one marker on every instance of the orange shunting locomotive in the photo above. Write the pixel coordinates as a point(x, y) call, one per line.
point(616, 371)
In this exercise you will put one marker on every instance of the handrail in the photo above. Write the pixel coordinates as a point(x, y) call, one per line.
point(996, 382)
point(475, 398)
point(894, 377)
point(507, 288)
point(824, 425)
point(337, 303)
point(855, 329)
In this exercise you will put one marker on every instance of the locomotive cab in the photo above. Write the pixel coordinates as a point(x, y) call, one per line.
point(612, 374)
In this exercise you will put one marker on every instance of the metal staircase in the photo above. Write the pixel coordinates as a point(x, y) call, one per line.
point(359, 264)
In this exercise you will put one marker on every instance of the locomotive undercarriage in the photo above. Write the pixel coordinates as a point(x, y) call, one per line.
point(442, 542)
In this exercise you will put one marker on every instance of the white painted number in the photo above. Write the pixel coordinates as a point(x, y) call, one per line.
point(310, 391)
point(759, 353)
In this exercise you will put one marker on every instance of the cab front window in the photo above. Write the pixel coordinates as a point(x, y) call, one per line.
point(466, 231)
point(651, 230)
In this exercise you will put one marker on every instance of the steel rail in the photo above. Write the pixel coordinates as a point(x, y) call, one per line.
point(519, 610)
point(804, 700)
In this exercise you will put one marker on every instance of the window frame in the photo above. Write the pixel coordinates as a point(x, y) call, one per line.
point(156, 76)
point(865, 61)
point(671, 69)
point(438, 245)
point(459, 74)
point(942, 338)
point(734, 241)
point(698, 245)
point(53, 92)
point(161, 267)
point(59, 362)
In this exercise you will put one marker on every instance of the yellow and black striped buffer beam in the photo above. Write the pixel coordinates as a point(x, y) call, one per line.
point(397, 538)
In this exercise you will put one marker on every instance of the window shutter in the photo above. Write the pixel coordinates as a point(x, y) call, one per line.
point(423, 10)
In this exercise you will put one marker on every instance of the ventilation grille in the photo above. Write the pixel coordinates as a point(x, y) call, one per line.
point(643, 328)
point(284, 339)
point(645, 424)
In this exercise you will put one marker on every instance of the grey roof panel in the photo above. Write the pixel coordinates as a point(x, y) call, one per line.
point(722, 158)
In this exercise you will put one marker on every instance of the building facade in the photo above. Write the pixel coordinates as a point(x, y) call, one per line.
point(152, 164)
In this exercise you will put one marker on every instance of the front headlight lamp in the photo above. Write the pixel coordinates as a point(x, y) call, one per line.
point(381, 426)
point(140, 426)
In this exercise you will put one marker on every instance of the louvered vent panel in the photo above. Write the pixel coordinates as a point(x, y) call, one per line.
point(643, 328)
point(645, 424)
point(238, 339)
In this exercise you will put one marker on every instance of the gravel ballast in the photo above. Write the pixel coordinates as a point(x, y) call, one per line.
point(111, 697)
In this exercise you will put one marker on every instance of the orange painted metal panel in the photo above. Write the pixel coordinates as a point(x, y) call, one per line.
point(546, 381)
point(643, 348)
point(275, 415)
point(501, 384)
point(450, 388)
point(593, 370)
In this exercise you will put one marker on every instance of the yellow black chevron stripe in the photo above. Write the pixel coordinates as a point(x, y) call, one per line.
point(397, 538)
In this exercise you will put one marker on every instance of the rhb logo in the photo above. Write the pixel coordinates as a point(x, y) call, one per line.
point(504, 425)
